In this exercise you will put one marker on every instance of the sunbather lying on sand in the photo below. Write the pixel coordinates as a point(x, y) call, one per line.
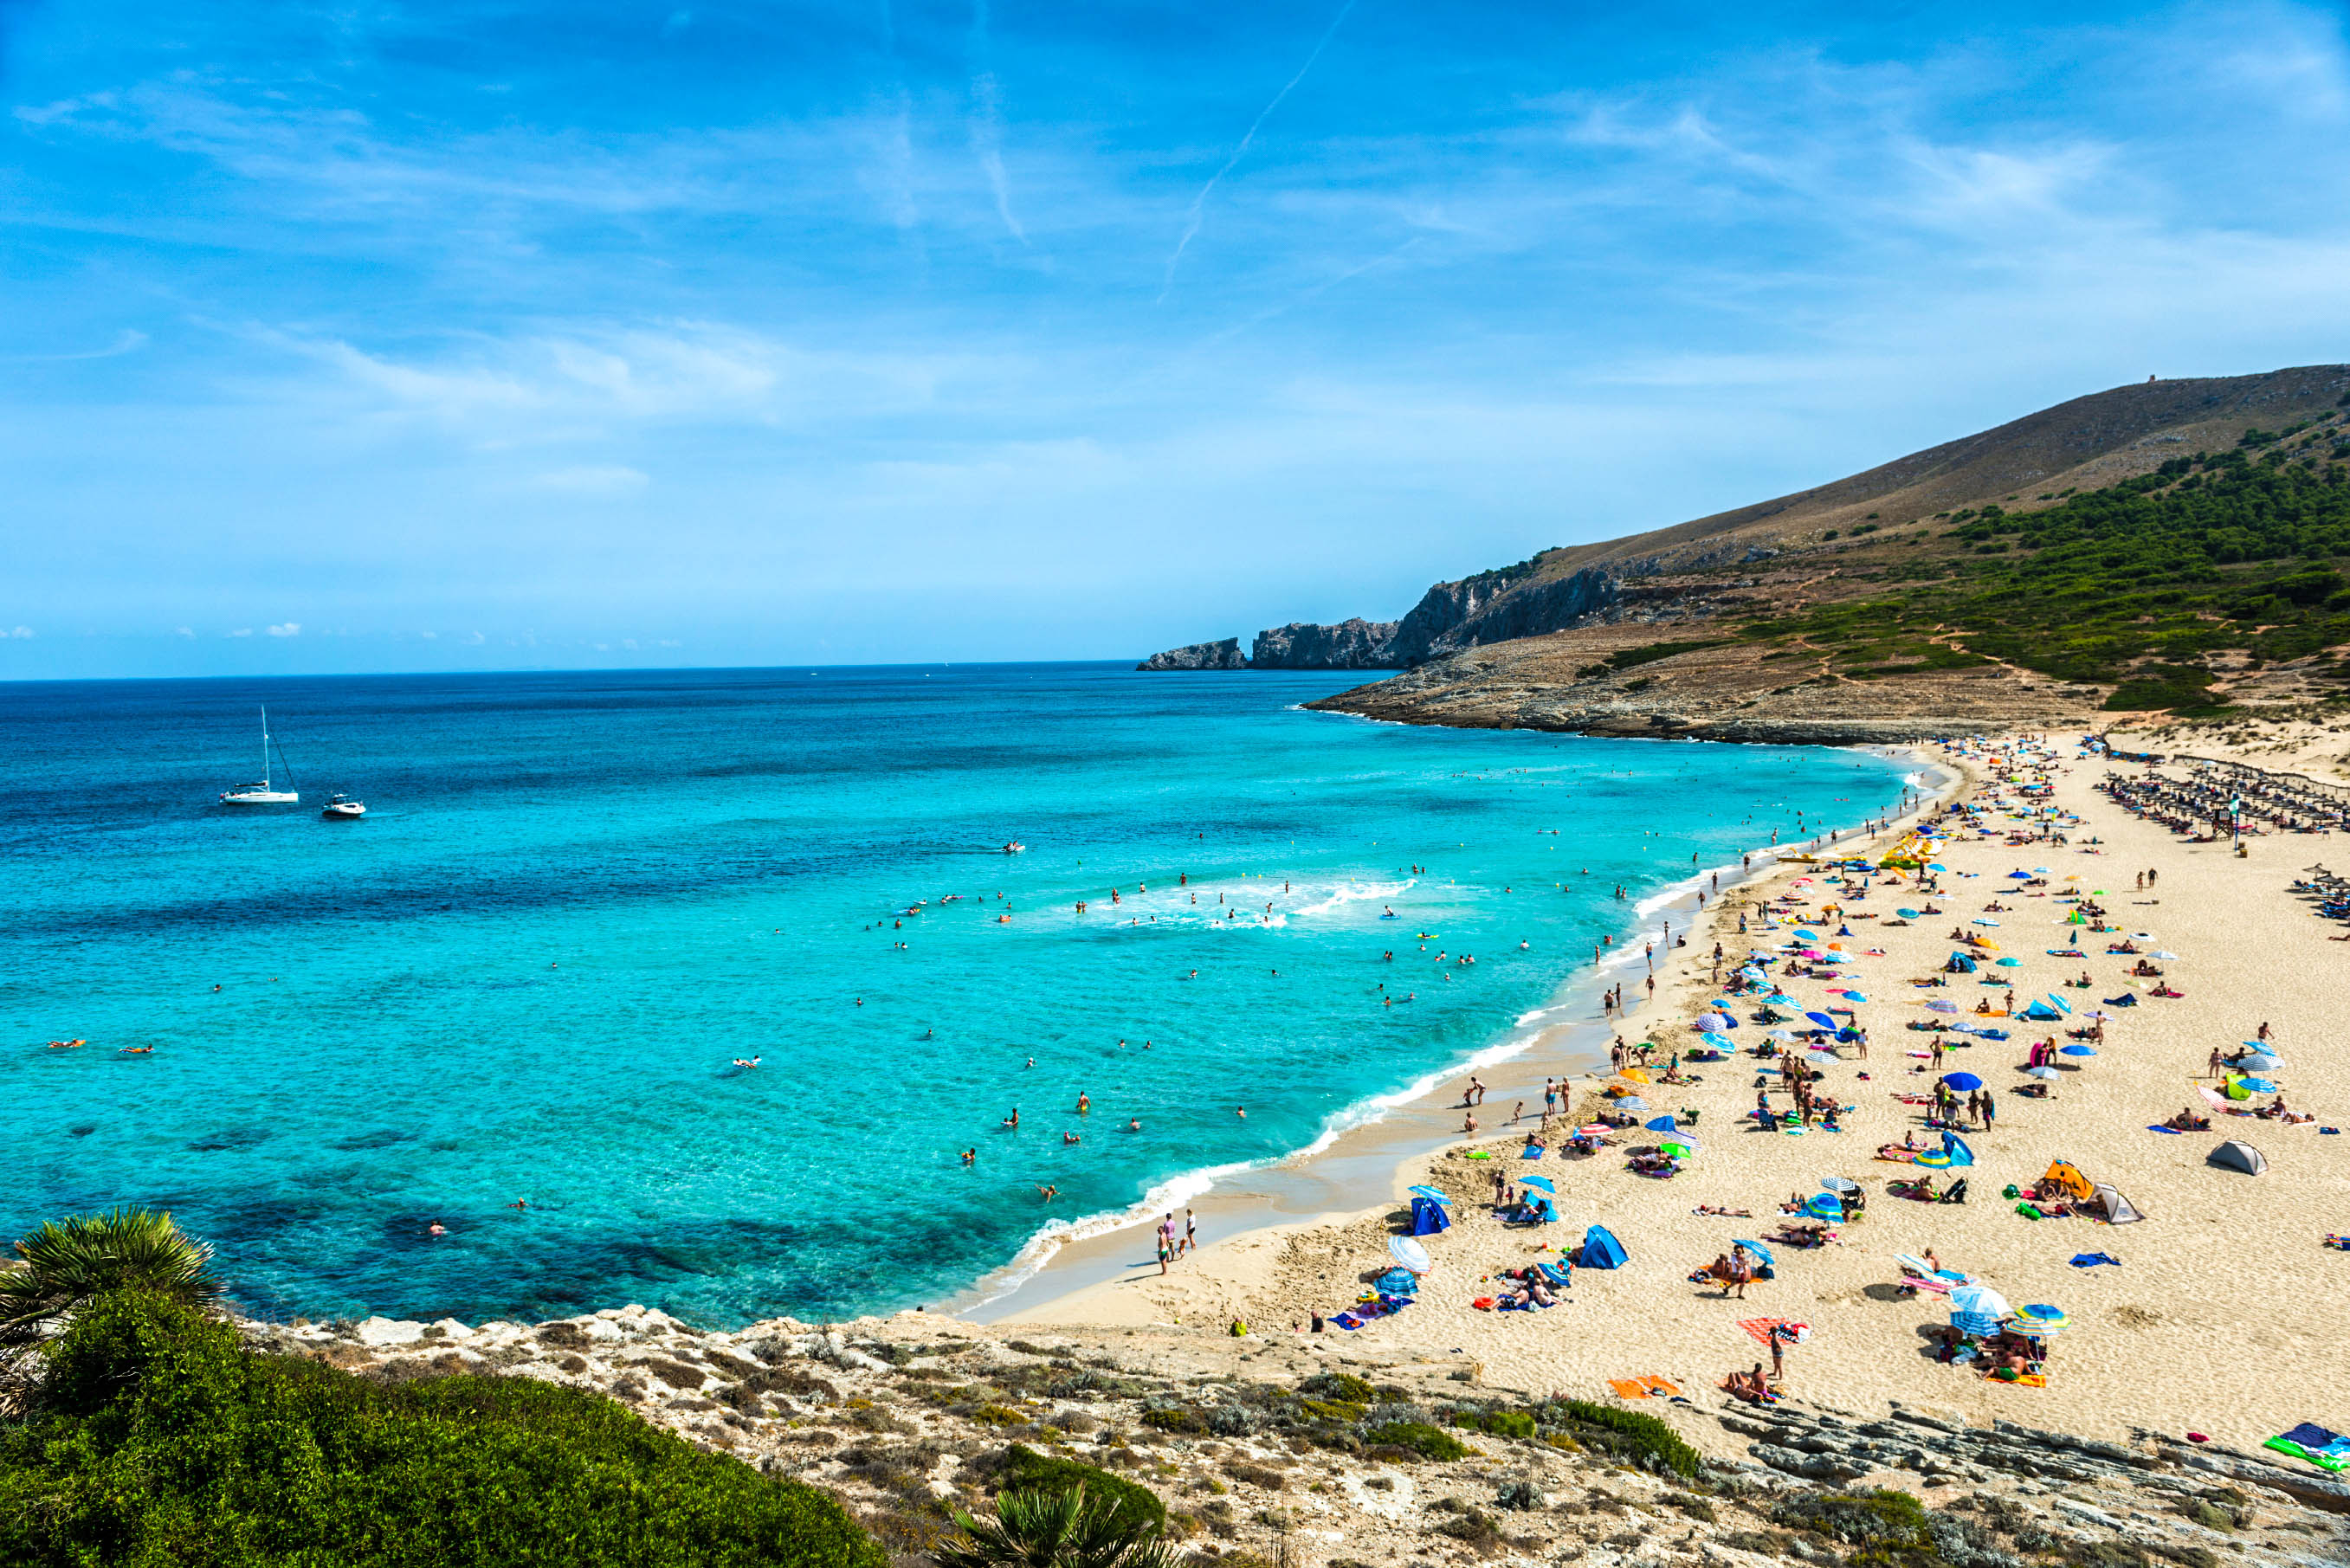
point(1724, 1213)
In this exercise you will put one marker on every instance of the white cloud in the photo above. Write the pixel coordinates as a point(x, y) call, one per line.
point(630, 643)
point(241, 631)
point(668, 642)
point(184, 631)
point(23, 633)
point(291, 629)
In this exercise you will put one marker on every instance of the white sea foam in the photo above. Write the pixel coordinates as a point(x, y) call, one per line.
point(1354, 893)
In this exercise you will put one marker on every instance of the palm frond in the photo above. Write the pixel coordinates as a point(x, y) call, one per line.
point(66, 1263)
point(1053, 1529)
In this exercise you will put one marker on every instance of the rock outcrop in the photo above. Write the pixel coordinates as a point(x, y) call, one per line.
point(1356, 644)
point(1224, 654)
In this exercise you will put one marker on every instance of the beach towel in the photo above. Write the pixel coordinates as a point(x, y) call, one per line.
point(1760, 1329)
point(2091, 1260)
point(1629, 1388)
point(2326, 1449)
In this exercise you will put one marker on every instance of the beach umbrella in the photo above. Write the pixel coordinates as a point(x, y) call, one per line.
point(1936, 866)
point(2077, 1051)
point(1539, 1183)
point(2261, 1061)
point(1978, 1302)
point(2041, 1072)
point(1809, 935)
point(1962, 1080)
point(1678, 1150)
point(1631, 1103)
point(2172, 958)
point(1907, 914)
point(1941, 1006)
point(2258, 1085)
point(2216, 1100)
point(1409, 1253)
point(2025, 876)
point(2010, 962)
point(1984, 921)
point(1663, 1123)
point(1430, 1193)
point(1780, 998)
point(2039, 1321)
point(1760, 1250)
point(1825, 1207)
point(1839, 1184)
point(2059, 1003)
point(1782, 1033)
point(1822, 1019)
point(1854, 996)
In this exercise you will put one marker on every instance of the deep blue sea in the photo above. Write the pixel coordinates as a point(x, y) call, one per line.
point(577, 898)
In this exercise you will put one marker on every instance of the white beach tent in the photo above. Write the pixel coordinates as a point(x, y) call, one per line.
point(2236, 1155)
point(2107, 1200)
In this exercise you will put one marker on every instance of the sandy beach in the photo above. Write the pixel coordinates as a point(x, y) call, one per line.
point(2222, 1317)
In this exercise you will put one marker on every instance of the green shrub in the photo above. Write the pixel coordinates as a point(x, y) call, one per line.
point(1428, 1442)
point(1343, 1386)
point(1137, 1507)
point(1881, 1527)
point(158, 1439)
point(1175, 1418)
point(1500, 1423)
point(1643, 1441)
point(1336, 1412)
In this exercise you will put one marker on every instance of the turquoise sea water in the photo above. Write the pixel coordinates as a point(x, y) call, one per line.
point(578, 898)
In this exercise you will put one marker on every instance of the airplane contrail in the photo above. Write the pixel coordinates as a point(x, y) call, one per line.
point(1200, 201)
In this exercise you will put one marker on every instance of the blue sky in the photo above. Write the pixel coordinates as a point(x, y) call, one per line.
point(378, 337)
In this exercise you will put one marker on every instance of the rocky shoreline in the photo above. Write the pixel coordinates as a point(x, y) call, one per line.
point(1676, 680)
point(1298, 1449)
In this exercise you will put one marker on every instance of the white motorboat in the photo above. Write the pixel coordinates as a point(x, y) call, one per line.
point(343, 808)
point(264, 793)
point(1016, 847)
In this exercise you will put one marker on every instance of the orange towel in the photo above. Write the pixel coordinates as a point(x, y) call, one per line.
point(1629, 1388)
point(1659, 1388)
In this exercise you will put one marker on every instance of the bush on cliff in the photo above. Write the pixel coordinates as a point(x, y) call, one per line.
point(155, 1437)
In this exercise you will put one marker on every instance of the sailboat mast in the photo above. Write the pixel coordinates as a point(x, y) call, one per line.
point(264, 745)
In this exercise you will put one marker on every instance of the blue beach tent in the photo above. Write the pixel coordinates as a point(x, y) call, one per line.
point(1601, 1249)
point(1428, 1217)
point(1959, 963)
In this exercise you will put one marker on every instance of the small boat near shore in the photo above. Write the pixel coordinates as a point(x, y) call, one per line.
point(343, 808)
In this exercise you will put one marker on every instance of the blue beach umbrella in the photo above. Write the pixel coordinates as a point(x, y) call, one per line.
point(1540, 1184)
point(1825, 1206)
point(2010, 963)
point(2041, 1072)
point(2076, 1051)
point(1822, 1019)
point(1760, 1250)
point(1430, 1193)
point(1661, 1123)
point(2261, 1061)
point(2258, 1085)
point(1631, 1103)
point(1962, 1080)
point(1938, 1005)
point(2059, 1003)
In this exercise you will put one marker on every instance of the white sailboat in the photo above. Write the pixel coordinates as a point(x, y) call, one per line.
point(263, 793)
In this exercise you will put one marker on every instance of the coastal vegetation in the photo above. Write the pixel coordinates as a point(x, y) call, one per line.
point(154, 1435)
point(65, 1264)
point(2142, 584)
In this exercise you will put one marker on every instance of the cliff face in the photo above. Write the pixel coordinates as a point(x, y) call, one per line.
point(1356, 644)
point(1493, 607)
point(1221, 655)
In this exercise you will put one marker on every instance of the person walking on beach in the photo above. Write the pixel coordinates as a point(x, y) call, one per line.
point(1191, 1231)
